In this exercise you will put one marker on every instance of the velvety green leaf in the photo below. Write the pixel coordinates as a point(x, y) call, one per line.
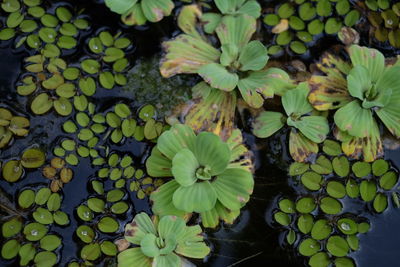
point(359, 82)
point(184, 167)
point(295, 101)
point(254, 56)
point(120, 6)
point(162, 200)
point(155, 10)
point(198, 197)
point(236, 30)
point(314, 128)
point(178, 137)
point(133, 257)
point(219, 77)
point(268, 123)
point(370, 58)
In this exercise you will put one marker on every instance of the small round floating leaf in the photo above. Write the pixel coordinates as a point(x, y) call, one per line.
point(321, 230)
point(98, 187)
point(43, 216)
point(12, 171)
point(380, 167)
point(368, 190)
point(91, 66)
point(336, 189)
point(363, 227)
point(91, 252)
point(311, 180)
point(96, 204)
point(85, 134)
point(116, 136)
point(49, 20)
point(324, 8)
point(305, 205)
point(11, 227)
point(120, 79)
point(112, 54)
point(282, 218)
point(14, 19)
point(80, 103)
point(305, 223)
point(7, 34)
point(109, 248)
point(107, 80)
point(344, 262)
point(32, 40)
point(68, 29)
point(333, 26)
point(10, 5)
point(122, 110)
point(10, 249)
point(48, 35)
point(321, 259)
point(347, 226)
point(296, 23)
point(26, 198)
point(85, 213)
point(63, 14)
point(332, 148)
point(361, 169)
point(284, 38)
point(85, 233)
point(45, 259)
point(68, 145)
point(304, 36)
point(330, 205)
point(54, 202)
point(388, 180)
point(291, 237)
point(271, 19)
point(315, 27)
point(126, 161)
point(59, 152)
point(28, 26)
point(27, 252)
point(34, 231)
point(298, 168)
point(36, 11)
point(113, 120)
point(71, 73)
point(380, 203)
point(287, 206)
point(106, 38)
point(41, 104)
point(352, 18)
point(322, 165)
point(298, 47)
point(122, 43)
point(95, 45)
point(353, 241)
point(341, 166)
point(309, 247)
point(81, 24)
point(147, 112)
point(115, 195)
point(120, 65)
point(286, 10)
point(66, 42)
point(50, 242)
point(61, 218)
point(119, 207)
point(108, 225)
point(337, 246)
point(352, 189)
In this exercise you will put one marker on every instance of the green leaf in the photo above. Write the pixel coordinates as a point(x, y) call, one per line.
point(347, 226)
point(184, 167)
point(322, 165)
point(370, 58)
point(155, 10)
point(268, 123)
point(300, 147)
point(380, 167)
point(108, 225)
point(295, 101)
point(219, 77)
point(298, 168)
point(236, 30)
point(287, 206)
point(162, 200)
point(133, 257)
point(368, 190)
point(321, 259)
point(380, 203)
point(254, 56)
point(43, 216)
point(158, 165)
point(10, 249)
point(91, 252)
point(41, 104)
point(330, 205)
point(171, 226)
point(305, 223)
point(233, 188)
point(26, 198)
point(11, 227)
point(120, 6)
point(33, 158)
point(282, 218)
point(198, 197)
point(344, 262)
point(229, 54)
point(359, 124)
point(337, 246)
point(359, 82)
point(311, 180)
point(388, 180)
point(50, 242)
point(341, 166)
point(34, 231)
point(178, 137)
point(352, 189)
point(27, 253)
point(321, 230)
point(336, 189)
point(305, 205)
point(361, 169)
point(309, 247)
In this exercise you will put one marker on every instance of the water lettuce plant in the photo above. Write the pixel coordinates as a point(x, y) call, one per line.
point(161, 242)
point(365, 88)
point(206, 178)
point(138, 12)
point(239, 64)
point(298, 24)
point(308, 130)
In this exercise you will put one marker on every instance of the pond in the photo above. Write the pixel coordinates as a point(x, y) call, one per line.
point(91, 108)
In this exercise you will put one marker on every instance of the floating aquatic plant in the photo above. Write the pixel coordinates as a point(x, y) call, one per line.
point(298, 24)
point(11, 126)
point(31, 158)
point(32, 241)
point(308, 130)
point(238, 64)
point(138, 12)
point(58, 173)
point(162, 242)
point(384, 17)
point(206, 178)
point(364, 89)
point(34, 25)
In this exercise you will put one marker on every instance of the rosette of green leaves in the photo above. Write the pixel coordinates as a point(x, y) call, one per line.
point(206, 180)
point(32, 242)
point(137, 12)
point(384, 17)
point(111, 70)
point(14, 169)
point(308, 130)
point(11, 126)
point(367, 87)
point(297, 24)
point(239, 64)
point(161, 242)
point(230, 7)
point(34, 25)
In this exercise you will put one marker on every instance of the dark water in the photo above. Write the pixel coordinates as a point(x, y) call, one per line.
point(251, 241)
